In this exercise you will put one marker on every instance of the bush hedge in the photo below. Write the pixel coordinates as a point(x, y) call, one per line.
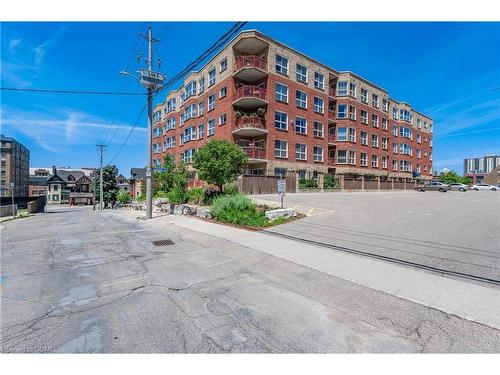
point(238, 209)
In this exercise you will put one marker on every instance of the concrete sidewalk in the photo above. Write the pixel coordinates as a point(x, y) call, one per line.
point(473, 302)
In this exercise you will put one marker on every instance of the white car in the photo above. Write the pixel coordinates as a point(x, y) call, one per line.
point(483, 187)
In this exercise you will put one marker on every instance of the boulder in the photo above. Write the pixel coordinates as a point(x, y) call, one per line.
point(159, 201)
point(281, 212)
point(204, 213)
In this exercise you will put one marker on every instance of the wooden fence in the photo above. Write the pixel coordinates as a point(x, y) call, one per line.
point(259, 184)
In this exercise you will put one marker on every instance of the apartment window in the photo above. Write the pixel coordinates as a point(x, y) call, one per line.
point(301, 99)
point(280, 120)
point(384, 143)
point(351, 157)
point(405, 166)
point(364, 96)
point(419, 123)
point(301, 73)
point(223, 65)
point(201, 131)
point(352, 112)
point(419, 138)
point(281, 92)
point(374, 140)
point(318, 153)
point(384, 123)
point(374, 161)
point(418, 168)
point(156, 133)
point(281, 64)
point(211, 127)
point(364, 117)
point(375, 100)
point(318, 129)
point(301, 125)
point(222, 119)
point(171, 105)
point(201, 109)
point(363, 159)
point(352, 135)
point(384, 162)
point(352, 89)
point(419, 153)
point(190, 90)
point(364, 138)
point(375, 120)
point(223, 92)
point(405, 132)
point(395, 113)
point(395, 131)
point(171, 123)
point(319, 105)
point(385, 105)
point(300, 151)
point(189, 134)
point(211, 102)
point(342, 134)
point(201, 85)
point(190, 112)
point(319, 81)
point(394, 165)
point(280, 149)
point(342, 88)
point(394, 148)
point(341, 156)
point(405, 149)
point(405, 115)
point(211, 77)
point(342, 111)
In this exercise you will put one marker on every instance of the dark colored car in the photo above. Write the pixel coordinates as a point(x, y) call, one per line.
point(434, 186)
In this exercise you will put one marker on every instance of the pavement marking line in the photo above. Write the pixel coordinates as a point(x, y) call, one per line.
point(124, 281)
point(220, 263)
point(310, 211)
point(461, 298)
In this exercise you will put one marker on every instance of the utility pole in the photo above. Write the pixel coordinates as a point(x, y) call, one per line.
point(94, 178)
point(101, 191)
point(152, 81)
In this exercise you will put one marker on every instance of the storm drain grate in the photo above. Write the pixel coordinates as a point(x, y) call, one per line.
point(162, 242)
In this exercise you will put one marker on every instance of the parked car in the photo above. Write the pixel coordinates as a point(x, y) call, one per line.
point(484, 187)
point(437, 186)
point(459, 187)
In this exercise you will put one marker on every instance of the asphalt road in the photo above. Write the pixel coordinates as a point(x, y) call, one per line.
point(74, 281)
point(452, 231)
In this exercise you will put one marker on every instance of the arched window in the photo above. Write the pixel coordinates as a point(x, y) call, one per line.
point(71, 178)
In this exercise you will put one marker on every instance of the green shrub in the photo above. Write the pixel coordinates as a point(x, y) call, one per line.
point(141, 198)
point(161, 194)
point(177, 195)
point(330, 182)
point(237, 209)
point(124, 197)
point(231, 189)
point(196, 195)
point(305, 183)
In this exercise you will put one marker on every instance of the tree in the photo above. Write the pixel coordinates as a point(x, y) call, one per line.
point(219, 162)
point(452, 177)
point(109, 184)
point(164, 181)
point(124, 197)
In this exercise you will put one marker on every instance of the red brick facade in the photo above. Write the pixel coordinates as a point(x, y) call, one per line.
point(250, 104)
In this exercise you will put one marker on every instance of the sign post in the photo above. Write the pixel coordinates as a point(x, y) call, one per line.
point(12, 196)
point(282, 191)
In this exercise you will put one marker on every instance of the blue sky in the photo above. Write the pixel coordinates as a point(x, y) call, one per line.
point(450, 71)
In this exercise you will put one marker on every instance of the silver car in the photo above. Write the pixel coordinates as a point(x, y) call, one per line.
point(484, 187)
point(459, 187)
point(434, 185)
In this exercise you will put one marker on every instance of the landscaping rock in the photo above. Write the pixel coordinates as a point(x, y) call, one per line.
point(281, 212)
point(159, 201)
point(204, 213)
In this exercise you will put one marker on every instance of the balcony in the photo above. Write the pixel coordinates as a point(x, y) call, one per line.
point(250, 126)
point(255, 154)
point(250, 68)
point(250, 97)
point(330, 161)
point(331, 92)
point(331, 116)
point(331, 138)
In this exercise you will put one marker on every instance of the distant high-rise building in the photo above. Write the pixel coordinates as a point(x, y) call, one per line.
point(478, 168)
point(15, 162)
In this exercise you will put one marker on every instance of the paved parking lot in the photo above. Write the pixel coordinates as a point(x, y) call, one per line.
point(452, 231)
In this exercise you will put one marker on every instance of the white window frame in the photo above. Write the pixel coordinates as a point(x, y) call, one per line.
point(299, 154)
point(211, 80)
point(299, 75)
point(278, 151)
point(304, 127)
point(211, 105)
point(318, 133)
point(318, 156)
point(280, 66)
point(280, 121)
point(319, 105)
point(319, 84)
point(278, 95)
point(299, 101)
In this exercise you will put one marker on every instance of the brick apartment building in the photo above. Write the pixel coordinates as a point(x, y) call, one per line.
point(15, 160)
point(292, 114)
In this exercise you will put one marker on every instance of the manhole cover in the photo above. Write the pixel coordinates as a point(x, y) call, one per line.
point(162, 242)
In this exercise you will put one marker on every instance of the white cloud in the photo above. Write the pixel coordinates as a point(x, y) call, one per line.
point(58, 130)
point(13, 43)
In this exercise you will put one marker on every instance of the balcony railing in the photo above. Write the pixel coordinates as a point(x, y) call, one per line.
point(250, 122)
point(331, 115)
point(251, 61)
point(254, 152)
point(331, 92)
point(331, 138)
point(331, 161)
point(251, 91)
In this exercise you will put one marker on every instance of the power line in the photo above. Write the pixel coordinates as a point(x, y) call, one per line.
point(59, 91)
